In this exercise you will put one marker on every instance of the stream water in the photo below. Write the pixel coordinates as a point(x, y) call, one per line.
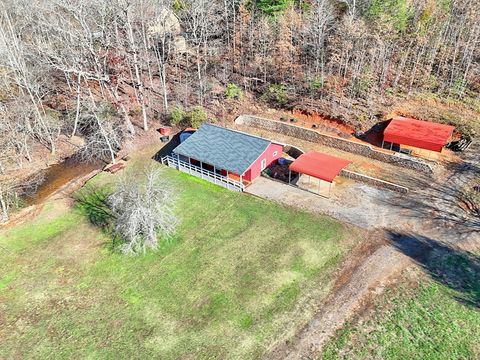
point(60, 174)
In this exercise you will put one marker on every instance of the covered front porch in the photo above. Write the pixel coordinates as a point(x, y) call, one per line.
point(202, 170)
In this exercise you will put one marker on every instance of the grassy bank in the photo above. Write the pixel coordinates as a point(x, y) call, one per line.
point(240, 273)
point(419, 319)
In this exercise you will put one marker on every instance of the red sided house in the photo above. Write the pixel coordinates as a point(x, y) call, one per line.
point(224, 156)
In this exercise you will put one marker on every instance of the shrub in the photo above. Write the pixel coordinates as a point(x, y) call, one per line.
point(142, 208)
point(458, 88)
point(397, 12)
point(177, 116)
point(362, 86)
point(233, 91)
point(178, 5)
point(193, 118)
point(197, 117)
point(316, 84)
point(277, 94)
point(272, 7)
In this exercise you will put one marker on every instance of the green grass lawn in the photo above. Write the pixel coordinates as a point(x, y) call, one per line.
point(419, 319)
point(240, 274)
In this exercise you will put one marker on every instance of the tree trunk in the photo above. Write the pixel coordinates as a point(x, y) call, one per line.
point(4, 207)
point(77, 113)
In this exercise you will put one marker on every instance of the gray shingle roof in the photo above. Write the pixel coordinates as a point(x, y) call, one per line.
point(224, 148)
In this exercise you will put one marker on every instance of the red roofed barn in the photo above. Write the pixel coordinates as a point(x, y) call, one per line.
point(417, 133)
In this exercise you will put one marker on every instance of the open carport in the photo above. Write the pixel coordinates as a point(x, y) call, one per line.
point(323, 167)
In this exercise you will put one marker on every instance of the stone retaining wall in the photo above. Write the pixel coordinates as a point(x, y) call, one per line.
point(374, 181)
point(335, 142)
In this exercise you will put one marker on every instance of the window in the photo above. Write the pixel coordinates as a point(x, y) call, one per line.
point(275, 153)
point(263, 164)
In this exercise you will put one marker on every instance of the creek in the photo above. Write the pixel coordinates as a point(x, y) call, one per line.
point(58, 175)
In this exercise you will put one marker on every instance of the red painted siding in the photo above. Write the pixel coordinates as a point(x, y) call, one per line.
point(269, 155)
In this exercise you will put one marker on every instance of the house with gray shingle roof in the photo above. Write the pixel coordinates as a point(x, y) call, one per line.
point(225, 154)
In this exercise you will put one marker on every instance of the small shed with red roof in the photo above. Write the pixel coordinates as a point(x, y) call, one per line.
point(318, 165)
point(417, 133)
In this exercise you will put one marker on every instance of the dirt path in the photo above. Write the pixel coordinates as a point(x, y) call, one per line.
point(428, 219)
point(368, 279)
point(365, 277)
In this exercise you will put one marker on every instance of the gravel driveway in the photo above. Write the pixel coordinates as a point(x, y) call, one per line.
point(430, 210)
point(352, 202)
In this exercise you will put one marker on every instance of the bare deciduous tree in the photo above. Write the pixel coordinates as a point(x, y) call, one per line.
point(103, 133)
point(141, 55)
point(143, 208)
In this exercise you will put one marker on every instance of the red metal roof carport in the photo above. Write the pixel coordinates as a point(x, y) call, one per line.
point(417, 133)
point(321, 166)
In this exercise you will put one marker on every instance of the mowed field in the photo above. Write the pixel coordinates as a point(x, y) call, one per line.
point(240, 274)
point(432, 313)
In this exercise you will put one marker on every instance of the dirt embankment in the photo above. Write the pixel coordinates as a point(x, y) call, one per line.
point(42, 158)
point(62, 192)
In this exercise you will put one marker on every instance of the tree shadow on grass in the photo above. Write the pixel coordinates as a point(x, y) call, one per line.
point(452, 267)
point(92, 201)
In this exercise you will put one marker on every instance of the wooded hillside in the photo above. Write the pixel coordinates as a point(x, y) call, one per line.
point(103, 69)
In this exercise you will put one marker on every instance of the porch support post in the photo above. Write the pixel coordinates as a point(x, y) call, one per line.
point(319, 181)
point(383, 142)
point(178, 160)
point(289, 176)
point(329, 189)
point(391, 145)
point(214, 175)
point(201, 169)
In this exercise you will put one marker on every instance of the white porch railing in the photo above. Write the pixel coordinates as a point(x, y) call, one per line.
point(199, 172)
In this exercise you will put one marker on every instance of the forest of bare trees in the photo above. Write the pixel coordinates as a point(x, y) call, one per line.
point(104, 70)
